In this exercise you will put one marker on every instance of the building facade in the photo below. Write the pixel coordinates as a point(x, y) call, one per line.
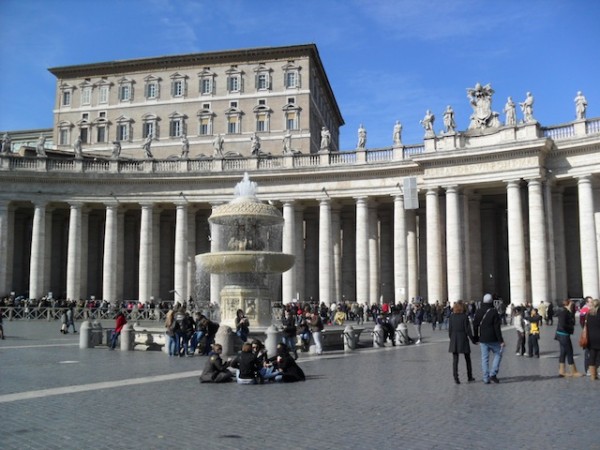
point(504, 207)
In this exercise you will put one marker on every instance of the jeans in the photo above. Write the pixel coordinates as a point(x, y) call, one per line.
point(566, 349)
point(532, 344)
point(196, 337)
point(173, 346)
point(521, 342)
point(486, 348)
point(290, 343)
point(114, 338)
point(318, 344)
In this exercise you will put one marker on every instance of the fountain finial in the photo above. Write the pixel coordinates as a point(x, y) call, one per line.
point(245, 188)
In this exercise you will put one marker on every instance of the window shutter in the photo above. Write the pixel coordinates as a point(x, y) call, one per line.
point(131, 92)
point(298, 80)
point(229, 84)
point(269, 81)
point(157, 90)
point(241, 83)
point(172, 88)
point(257, 80)
point(213, 85)
point(185, 88)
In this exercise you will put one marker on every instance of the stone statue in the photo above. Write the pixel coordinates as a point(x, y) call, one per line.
point(510, 111)
point(480, 98)
point(6, 143)
point(325, 139)
point(527, 108)
point(427, 123)
point(40, 149)
point(185, 147)
point(77, 148)
point(397, 136)
point(580, 106)
point(287, 142)
point(147, 144)
point(217, 143)
point(362, 138)
point(449, 123)
point(116, 151)
point(255, 144)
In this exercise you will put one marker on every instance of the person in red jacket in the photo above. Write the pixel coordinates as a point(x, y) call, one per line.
point(120, 322)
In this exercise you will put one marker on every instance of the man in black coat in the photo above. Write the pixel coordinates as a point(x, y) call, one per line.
point(486, 327)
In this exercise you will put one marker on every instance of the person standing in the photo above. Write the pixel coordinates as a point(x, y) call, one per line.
point(120, 322)
point(520, 327)
point(564, 330)
point(593, 327)
point(487, 332)
point(1, 326)
point(550, 314)
point(459, 330)
point(316, 327)
point(535, 322)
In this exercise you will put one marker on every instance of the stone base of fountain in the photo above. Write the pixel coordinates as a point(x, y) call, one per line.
point(255, 301)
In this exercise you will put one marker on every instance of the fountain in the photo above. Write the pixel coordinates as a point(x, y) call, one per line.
point(247, 255)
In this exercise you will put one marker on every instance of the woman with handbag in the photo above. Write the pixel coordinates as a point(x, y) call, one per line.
point(564, 330)
point(593, 333)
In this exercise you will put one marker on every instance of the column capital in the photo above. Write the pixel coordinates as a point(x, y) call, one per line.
point(76, 205)
point(454, 188)
point(111, 204)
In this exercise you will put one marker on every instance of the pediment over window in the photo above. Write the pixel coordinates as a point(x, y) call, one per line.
point(65, 124)
point(205, 112)
point(177, 115)
point(86, 83)
point(103, 82)
point(150, 117)
point(233, 110)
point(152, 78)
point(126, 80)
point(178, 76)
point(206, 72)
point(66, 86)
point(262, 108)
point(124, 119)
point(291, 65)
point(83, 123)
point(291, 107)
point(101, 121)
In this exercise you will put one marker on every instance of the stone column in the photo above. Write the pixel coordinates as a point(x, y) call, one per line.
point(155, 251)
point(48, 260)
point(74, 252)
point(374, 280)
point(84, 255)
point(38, 247)
point(120, 253)
point(6, 246)
point(475, 264)
point(146, 252)
point(191, 253)
point(560, 258)
point(412, 255)
point(349, 254)
point(109, 268)
point(311, 265)
point(454, 247)
point(336, 244)
point(516, 244)
point(181, 252)
point(400, 251)
point(434, 247)
point(288, 279)
point(386, 254)
point(325, 251)
point(300, 293)
point(538, 244)
point(587, 236)
point(362, 250)
point(216, 282)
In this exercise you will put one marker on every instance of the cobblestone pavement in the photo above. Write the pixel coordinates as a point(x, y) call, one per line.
point(54, 395)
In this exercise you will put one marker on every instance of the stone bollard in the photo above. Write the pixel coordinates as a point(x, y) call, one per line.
point(225, 337)
point(402, 334)
point(85, 331)
point(11, 312)
point(274, 336)
point(49, 314)
point(127, 338)
point(378, 336)
point(96, 335)
point(349, 338)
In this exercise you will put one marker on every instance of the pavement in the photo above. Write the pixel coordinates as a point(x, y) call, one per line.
point(54, 395)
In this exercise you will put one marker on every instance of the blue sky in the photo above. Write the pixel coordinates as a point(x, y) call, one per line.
point(387, 60)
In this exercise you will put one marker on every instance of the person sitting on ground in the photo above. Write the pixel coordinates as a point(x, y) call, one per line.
point(120, 322)
point(267, 369)
point(288, 371)
point(247, 365)
point(215, 370)
point(242, 325)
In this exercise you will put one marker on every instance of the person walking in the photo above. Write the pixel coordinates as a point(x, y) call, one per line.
point(487, 332)
point(120, 322)
point(564, 329)
point(459, 330)
point(593, 327)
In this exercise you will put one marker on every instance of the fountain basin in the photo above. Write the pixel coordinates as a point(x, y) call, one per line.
point(245, 262)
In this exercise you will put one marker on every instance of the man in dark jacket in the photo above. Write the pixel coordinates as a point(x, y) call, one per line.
point(486, 326)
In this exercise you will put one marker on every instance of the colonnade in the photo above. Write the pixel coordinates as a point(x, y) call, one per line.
point(367, 248)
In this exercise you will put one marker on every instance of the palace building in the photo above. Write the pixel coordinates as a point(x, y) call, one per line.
point(115, 203)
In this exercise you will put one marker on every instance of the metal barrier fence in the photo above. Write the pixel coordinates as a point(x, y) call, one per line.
point(55, 313)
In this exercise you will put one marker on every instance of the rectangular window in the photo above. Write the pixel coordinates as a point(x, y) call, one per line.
point(123, 132)
point(66, 98)
point(262, 81)
point(86, 96)
point(151, 91)
point(232, 125)
point(148, 128)
point(233, 104)
point(83, 132)
point(101, 134)
point(102, 114)
point(262, 101)
point(206, 86)
point(291, 121)
point(233, 84)
point(291, 100)
point(206, 106)
point(103, 94)
point(291, 80)
point(204, 126)
point(125, 93)
point(175, 128)
point(177, 88)
point(64, 137)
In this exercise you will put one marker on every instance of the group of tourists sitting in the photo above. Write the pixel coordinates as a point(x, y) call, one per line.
point(252, 366)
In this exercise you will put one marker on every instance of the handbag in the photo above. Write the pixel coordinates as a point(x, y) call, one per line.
point(583, 337)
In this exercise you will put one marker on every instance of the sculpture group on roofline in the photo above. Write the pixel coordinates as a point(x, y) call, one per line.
point(480, 98)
